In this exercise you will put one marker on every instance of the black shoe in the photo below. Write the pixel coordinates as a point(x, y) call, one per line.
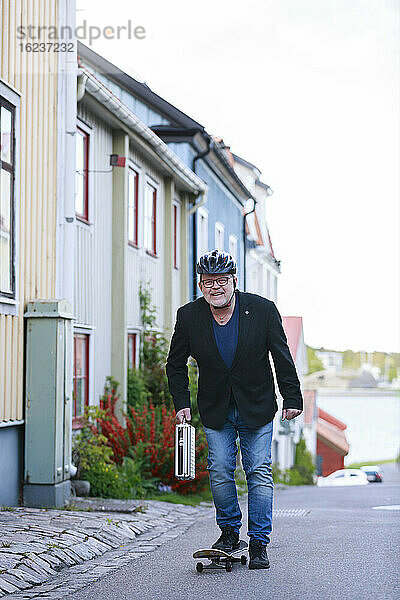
point(258, 555)
point(228, 540)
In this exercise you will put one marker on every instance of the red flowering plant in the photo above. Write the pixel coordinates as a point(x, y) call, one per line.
point(149, 431)
point(145, 442)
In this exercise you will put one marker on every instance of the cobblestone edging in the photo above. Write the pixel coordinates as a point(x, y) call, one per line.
point(36, 544)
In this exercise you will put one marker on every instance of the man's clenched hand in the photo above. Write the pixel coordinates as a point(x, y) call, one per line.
point(290, 413)
point(183, 413)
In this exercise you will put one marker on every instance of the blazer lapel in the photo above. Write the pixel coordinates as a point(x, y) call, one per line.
point(245, 319)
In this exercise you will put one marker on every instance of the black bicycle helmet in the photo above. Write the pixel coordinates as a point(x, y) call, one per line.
point(216, 262)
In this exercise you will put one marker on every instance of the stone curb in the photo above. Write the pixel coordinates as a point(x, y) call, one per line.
point(35, 544)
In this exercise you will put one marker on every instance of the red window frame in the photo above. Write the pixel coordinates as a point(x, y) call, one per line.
point(153, 221)
point(132, 337)
point(134, 242)
point(77, 419)
point(10, 169)
point(85, 215)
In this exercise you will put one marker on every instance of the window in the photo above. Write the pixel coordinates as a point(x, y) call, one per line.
point(219, 236)
point(233, 246)
point(202, 231)
point(7, 207)
point(274, 292)
point(268, 290)
point(133, 205)
point(150, 219)
point(81, 374)
point(132, 339)
point(81, 180)
point(176, 216)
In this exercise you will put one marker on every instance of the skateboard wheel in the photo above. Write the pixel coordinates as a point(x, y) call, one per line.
point(199, 567)
point(243, 559)
point(228, 566)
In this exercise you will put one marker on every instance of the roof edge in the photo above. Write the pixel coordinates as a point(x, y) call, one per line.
point(103, 95)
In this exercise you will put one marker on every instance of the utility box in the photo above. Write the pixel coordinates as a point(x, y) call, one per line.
point(48, 401)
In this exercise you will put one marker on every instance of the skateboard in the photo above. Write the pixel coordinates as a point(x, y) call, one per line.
point(219, 559)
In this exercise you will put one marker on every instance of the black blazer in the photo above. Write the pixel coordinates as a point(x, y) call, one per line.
point(250, 376)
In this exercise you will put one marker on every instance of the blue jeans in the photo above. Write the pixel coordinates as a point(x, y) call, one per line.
point(255, 446)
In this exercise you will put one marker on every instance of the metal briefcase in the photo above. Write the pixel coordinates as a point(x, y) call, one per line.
point(185, 451)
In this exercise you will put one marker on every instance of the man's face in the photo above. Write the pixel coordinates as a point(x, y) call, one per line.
point(221, 290)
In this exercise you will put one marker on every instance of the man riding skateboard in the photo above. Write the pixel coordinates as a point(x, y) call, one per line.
point(230, 334)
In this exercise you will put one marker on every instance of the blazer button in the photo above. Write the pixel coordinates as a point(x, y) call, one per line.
point(246, 312)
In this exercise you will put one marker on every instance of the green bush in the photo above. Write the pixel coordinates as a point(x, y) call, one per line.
point(92, 456)
point(106, 481)
point(301, 473)
point(303, 469)
point(298, 475)
point(277, 474)
point(136, 388)
point(304, 462)
point(135, 471)
point(293, 477)
point(153, 352)
point(314, 363)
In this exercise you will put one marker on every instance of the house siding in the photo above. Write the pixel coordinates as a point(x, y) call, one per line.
point(93, 254)
point(141, 266)
point(33, 77)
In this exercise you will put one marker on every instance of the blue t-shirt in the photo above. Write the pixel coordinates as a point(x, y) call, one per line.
point(227, 335)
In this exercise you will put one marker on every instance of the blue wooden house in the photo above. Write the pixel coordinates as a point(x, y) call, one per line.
point(216, 220)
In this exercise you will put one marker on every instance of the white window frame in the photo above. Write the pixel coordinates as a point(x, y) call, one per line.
point(9, 305)
point(202, 231)
point(233, 246)
point(150, 182)
point(132, 168)
point(274, 288)
point(219, 236)
point(176, 233)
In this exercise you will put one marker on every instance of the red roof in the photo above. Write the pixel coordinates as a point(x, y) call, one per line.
point(322, 414)
point(293, 327)
point(333, 437)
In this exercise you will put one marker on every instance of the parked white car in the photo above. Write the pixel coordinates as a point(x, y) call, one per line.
point(344, 477)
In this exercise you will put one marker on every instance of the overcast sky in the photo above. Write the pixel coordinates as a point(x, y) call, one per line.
point(308, 90)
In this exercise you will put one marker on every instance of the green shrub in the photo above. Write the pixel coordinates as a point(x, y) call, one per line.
point(136, 388)
point(314, 363)
point(293, 477)
point(106, 481)
point(301, 473)
point(93, 458)
point(298, 475)
point(277, 474)
point(153, 352)
point(304, 462)
point(136, 471)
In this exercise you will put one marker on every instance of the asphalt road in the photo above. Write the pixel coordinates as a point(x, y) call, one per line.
point(343, 548)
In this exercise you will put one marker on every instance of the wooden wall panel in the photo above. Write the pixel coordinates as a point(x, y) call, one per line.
point(34, 76)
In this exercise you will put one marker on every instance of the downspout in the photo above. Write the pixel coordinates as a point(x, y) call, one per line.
point(244, 241)
point(210, 144)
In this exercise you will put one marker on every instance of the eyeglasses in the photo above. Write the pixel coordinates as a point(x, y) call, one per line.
point(208, 283)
